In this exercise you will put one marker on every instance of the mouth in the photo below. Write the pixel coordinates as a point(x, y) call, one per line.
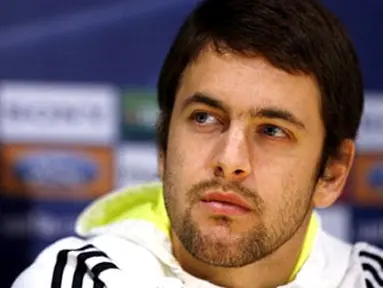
point(225, 203)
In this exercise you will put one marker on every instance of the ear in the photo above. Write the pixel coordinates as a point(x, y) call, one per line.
point(161, 163)
point(330, 186)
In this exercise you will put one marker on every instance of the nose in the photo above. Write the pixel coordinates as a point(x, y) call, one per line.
point(232, 160)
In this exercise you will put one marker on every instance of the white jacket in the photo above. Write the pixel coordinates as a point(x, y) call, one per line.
point(126, 244)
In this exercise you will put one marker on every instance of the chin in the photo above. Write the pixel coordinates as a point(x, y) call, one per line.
point(222, 234)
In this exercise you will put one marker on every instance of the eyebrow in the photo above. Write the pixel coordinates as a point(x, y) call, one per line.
point(277, 113)
point(266, 112)
point(201, 98)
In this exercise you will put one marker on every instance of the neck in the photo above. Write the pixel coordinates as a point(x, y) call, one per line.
point(261, 274)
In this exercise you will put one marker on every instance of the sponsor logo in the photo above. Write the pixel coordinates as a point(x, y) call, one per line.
point(370, 231)
point(375, 177)
point(47, 114)
point(368, 225)
point(56, 168)
point(66, 172)
point(370, 136)
point(367, 179)
point(45, 220)
point(37, 225)
point(371, 123)
point(60, 113)
point(136, 164)
point(138, 174)
point(139, 112)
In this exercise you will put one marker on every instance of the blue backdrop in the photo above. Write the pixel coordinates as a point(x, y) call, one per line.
point(123, 44)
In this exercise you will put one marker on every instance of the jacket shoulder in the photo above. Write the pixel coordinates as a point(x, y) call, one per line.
point(369, 259)
point(351, 265)
point(66, 263)
point(102, 261)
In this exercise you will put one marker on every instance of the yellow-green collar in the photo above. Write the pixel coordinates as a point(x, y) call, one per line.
point(307, 245)
point(146, 202)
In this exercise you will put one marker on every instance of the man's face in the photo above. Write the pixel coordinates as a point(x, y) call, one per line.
point(244, 146)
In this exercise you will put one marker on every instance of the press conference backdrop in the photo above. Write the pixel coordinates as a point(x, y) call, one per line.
point(77, 108)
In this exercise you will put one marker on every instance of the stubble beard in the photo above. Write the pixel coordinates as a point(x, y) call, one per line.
point(255, 244)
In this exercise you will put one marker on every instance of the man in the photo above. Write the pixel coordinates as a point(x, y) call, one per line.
point(260, 105)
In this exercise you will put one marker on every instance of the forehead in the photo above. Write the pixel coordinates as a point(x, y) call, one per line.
point(245, 83)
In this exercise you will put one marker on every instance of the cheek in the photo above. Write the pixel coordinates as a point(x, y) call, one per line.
point(295, 162)
point(180, 169)
point(283, 182)
point(189, 156)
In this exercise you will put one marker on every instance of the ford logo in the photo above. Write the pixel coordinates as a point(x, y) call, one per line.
point(375, 177)
point(56, 168)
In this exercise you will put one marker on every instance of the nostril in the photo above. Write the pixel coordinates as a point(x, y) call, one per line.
point(218, 171)
point(238, 171)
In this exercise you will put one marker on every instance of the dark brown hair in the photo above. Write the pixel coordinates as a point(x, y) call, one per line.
point(298, 36)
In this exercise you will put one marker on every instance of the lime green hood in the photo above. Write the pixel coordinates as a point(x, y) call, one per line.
point(143, 202)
